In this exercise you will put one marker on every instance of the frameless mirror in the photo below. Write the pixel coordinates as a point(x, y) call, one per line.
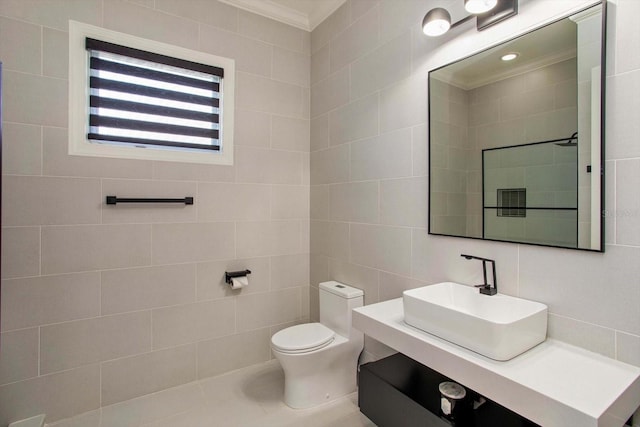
point(516, 142)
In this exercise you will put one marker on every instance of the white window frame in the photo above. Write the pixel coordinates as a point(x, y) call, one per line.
point(79, 145)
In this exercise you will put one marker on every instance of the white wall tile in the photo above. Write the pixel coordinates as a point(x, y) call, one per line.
point(627, 208)
point(56, 160)
point(330, 27)
point(290, 134)
point(330, 166)
point(21, 251)
point(228, 202)
point(18, 355)
point(360, 277)
point(176, 243)
point(372, 158)
point(319, 64)
point(420, 151)
point(129, 377)
point(49, 201)
point(192, 172)
point(270, 31)
point(627, 35)
point(356, 120)
point(289, 202)
point(250, 55)
point(82, 342)
point(621, 126)
point(41, 300)
point(263, 166)
point(252, 128)
point(214, 13)
point(330, 239)
point(387, 64)
point(360, 37)
point(330, 93)
point(382, 247)
point(267, 238)
point(25, 56)
point(34, 99)
point(54, 15)
point(403, 202)
point(628, 348)
point(55, 50)
point(404, 104)
point(74, 248)
point(126, 17)
point(585, 335)
point(355, 202)
point(591, 287)
point(291, 67)
point(319, 209)
point(319, 133)
point(173, 326)
point(289, 271)
point(22, 149)
point(42, 395)
point(233, 352)
point(148, 287)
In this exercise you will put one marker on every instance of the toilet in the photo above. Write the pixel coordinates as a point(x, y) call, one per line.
point(320, 360)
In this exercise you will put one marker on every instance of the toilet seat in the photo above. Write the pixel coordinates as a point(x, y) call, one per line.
point(302, 338)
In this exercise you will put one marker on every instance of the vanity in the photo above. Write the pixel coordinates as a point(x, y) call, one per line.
point(553, 384)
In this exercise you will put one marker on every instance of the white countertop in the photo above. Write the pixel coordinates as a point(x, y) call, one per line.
point(553, 384)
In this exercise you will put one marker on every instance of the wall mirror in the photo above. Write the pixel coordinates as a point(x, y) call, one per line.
point(516, 142)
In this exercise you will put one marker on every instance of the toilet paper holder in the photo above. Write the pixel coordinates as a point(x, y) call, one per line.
point(228, 275)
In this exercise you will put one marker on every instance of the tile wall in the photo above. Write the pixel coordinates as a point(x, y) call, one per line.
point(369, 66)
point(101, 304)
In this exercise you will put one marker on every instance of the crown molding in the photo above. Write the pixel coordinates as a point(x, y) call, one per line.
point(287, 15)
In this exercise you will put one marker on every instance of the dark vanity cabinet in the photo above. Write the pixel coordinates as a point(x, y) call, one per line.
point(399, 392)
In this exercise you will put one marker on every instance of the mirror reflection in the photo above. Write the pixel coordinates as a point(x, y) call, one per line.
point(515, 143)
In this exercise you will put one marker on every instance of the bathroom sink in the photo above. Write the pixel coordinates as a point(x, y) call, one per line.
point(499, 326)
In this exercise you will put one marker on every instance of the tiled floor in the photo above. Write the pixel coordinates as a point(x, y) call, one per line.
point(250, 397)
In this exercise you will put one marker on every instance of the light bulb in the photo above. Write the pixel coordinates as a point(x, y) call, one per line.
point(436, 22)
point(479, 6)
point(509, 56)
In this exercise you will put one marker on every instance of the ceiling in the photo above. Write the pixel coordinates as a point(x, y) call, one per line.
point(545, 46)
point(304, 14)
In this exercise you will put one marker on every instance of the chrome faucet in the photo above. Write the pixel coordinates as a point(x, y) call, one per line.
point(485, 288)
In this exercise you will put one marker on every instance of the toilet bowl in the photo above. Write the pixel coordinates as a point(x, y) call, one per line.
point(320, 360)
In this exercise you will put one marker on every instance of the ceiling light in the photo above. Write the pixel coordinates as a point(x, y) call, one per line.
point(479, 6)
point(436, 22)
point(510, 56)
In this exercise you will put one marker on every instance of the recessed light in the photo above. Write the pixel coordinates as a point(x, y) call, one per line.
point(509, 56)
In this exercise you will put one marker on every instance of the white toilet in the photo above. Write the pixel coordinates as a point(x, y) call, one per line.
point(320, 360)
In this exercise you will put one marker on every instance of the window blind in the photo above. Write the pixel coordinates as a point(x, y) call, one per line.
point(147, 99)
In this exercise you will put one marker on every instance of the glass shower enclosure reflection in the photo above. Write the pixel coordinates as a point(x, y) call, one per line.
point(530, 192)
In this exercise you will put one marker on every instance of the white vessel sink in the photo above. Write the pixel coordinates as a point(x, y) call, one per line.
point(499, 326)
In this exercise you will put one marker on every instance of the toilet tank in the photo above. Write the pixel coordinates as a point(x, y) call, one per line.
point(336, 302)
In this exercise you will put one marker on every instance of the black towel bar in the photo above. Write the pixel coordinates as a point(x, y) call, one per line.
point(112, 200)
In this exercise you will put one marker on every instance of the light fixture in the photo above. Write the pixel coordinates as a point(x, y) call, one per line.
point(436, 22)
point(487, 12)
point(479, 6)
point(510, 56)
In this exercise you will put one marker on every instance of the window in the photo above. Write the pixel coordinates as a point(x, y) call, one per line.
point(136, 98)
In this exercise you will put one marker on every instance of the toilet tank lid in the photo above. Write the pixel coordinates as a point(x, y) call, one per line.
point(341, 289)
